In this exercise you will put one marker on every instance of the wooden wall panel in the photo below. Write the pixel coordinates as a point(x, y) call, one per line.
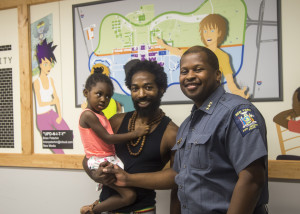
point(25, 79)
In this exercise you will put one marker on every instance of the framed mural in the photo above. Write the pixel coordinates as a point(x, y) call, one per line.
point(248, 45)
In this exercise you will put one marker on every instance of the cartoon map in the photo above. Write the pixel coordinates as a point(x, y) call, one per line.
point(128, 30)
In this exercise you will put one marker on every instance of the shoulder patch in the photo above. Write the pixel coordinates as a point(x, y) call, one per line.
point(245, 120)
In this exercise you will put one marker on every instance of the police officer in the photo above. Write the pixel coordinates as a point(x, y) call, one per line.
point(221, 150)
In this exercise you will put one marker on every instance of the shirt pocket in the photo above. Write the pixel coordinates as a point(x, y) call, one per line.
point(179, 147)
point(179, 143)
point(200, 154)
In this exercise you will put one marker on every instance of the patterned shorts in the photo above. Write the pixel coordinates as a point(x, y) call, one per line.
point(94, 162)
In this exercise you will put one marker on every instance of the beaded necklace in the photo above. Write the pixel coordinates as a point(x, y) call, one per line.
point(141, 139)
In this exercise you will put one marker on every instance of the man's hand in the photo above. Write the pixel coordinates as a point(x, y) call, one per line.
point(100, 177)
point(119, 173)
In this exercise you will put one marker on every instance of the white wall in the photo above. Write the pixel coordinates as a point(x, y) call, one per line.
point(284, 194)
point(48, 191)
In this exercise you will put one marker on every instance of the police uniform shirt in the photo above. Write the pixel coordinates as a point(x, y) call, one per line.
point(214, 144)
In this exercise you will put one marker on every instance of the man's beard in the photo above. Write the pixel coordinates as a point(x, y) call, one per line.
point(150, 109)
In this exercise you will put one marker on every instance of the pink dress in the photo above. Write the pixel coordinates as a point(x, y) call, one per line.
point(96, 150)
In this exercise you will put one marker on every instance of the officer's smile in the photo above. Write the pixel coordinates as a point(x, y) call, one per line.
point(191, 86)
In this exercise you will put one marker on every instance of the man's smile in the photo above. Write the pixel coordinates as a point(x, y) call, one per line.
point(191, 86)
point(143, 103)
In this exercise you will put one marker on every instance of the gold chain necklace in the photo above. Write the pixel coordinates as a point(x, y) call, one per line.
point(143, 138)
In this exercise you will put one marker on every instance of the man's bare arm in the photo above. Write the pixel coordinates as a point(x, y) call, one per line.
point(164, 179)
point(175, 203)
point(248, 188)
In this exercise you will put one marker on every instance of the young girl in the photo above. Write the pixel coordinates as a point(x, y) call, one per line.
point(98, 139)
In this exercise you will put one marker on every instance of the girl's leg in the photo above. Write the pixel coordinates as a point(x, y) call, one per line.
point(125, 197)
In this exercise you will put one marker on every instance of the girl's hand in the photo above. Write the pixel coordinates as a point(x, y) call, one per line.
point(104, 177)
point(142, 130)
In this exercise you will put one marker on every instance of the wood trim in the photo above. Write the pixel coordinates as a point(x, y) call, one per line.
point(42, 160)
point(25, 79)
point(277, 168)
point(284, 169)
point(7, 4)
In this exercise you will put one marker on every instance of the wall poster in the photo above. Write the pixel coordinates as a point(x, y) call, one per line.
point(54, 132)
point(244, 34)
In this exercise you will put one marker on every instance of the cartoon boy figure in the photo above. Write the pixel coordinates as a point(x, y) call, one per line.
point(213, 31)
point(46, 97)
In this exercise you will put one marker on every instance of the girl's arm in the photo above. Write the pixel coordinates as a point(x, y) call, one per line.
point(88, 119)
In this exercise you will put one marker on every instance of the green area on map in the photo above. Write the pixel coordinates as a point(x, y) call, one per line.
point(176, 28)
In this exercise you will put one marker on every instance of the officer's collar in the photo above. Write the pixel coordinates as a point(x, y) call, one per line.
point(209, 104)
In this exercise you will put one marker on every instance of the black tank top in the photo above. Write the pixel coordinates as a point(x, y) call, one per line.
point(149, 160)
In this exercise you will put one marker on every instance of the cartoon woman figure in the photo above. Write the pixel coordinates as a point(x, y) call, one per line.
point(46, 96)
point(213, 31)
